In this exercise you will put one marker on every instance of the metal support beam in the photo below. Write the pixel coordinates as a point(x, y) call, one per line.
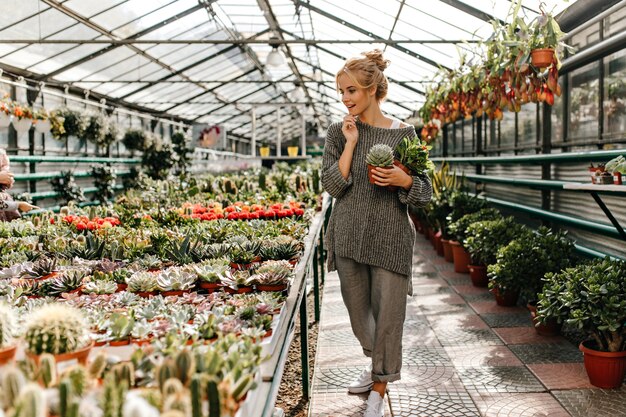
point(466, 8)
point(301, 41)
point(367, 33)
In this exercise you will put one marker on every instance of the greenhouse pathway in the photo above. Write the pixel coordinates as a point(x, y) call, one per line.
point(463, 356)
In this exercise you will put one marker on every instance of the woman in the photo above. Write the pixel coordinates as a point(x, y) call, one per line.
point(8, 207)
point(370, 237)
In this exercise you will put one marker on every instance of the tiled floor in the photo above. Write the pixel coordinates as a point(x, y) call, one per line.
point(463, 356)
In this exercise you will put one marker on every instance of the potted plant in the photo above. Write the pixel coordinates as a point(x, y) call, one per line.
point(592, 297)
point(238, 282)
point(175, 281)
point(120, 328)
point(142, 283)
point(272, 276)
point(544, 40)
point(41, 121)
point(413, 155)
point(210, 273)
point(484, 240)
point(73, 124)
point(460, 256)
point(264, 149)
point(293, 148)
point(522, 264)
point(461, 204)
point(8, 346)
point(617, 166)
point(59, 330)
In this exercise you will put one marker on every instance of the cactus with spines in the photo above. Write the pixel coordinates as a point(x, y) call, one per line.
point(229, 186)
point(299, 183)
point(165, 371)
point(214, 398)
point(56, 329)
point(179, 402)
point(7, 325)
point(112, 398)
point(47, 373)
point(31, 402)
point(78, 378)
point(97, 366)
point(13, 382)
point(124, 373)
point(65, 397)
point(262, 180)
point(172, 386)
point(195, 388)
point(315, 179)
point(380, 155)
point(185, 366)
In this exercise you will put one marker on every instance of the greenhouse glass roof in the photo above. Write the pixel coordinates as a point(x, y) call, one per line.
point(204, 60)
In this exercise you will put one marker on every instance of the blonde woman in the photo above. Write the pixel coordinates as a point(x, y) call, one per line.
point(8, 207)
point(370, 237)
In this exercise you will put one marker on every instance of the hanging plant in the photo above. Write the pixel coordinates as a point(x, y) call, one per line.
point(74, 124)
point(180, 141)
point(96, 129)
point(112, 135)
point(136, 139)
point(157, 160)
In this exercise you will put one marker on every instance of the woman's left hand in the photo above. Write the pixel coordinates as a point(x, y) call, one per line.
point(392, 176)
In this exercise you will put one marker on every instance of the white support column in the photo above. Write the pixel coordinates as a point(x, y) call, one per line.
point(303, 138)
point(253, 144)
point(279, 133)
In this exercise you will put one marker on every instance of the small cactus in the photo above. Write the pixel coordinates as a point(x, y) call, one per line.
point(7, 325)
point(31, 402)
point(97, 366)
point(13, 382)
point(316, 181)
point(125, 373)
point(56, 329)
point(78, 378)
point(196, 396)
point(380, 155)
point(47, 370)
point(165, 371)
point(172, 386)
point(185, 366)
point(262, 181)
point(179, 402)
point(214, 398)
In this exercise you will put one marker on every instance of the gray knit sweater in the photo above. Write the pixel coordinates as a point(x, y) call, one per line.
point(369, 223)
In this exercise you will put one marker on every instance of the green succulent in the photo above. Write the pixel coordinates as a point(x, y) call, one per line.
point(380, 155)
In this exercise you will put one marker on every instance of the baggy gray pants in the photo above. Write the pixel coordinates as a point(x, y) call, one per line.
point(376, 303)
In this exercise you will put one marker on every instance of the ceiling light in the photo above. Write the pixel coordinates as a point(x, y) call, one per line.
point(275, 58)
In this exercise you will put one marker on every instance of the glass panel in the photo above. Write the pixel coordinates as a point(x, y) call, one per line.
point(584, 94)
point(615, 95)
point(527, 125)
point(615, 23)
point(585, 38)
point(507, 130)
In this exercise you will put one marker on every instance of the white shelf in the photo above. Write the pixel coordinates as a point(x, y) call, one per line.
point(595, 187)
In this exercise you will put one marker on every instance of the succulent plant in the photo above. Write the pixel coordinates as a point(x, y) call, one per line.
point(211, 271)
point(175, 279)
point(70, 280)
point(149, 262)
point(281, 250)
point(92, 249)
point(216, 250)
point(15, 270)
point(380, 155)
point(43, 266)
point(99, 287)
point(237, 279)
point(56, 329)
point(142, 281)
point(7, 325)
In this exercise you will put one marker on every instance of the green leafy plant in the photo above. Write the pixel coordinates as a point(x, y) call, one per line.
point(458, 228)
point(485, 238)
point(617, 164)
point(157, 160)
point(67, 188)
point(592, 297)
point(413, 154)
point(136, 139)
point(522, 264)
point(73, 124)
point(104, 179)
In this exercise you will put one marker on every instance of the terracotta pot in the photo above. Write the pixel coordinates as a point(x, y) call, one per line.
point(243, 289)
point(121, 287)
point(370, 173)
point(80, 355)
point(542, 57)
point(605, 369)
point(461, 257)
point(403, 168)
point(174, 293)
point(141, 342)
point(273, 288)
point(7, 354)
point(210, 286)
point(617, 178)
point(447, 250)
point(146, 294)
point(122, 342)
point(505, 298)
point(478, 274)
point(551, 328)
point(438, 243)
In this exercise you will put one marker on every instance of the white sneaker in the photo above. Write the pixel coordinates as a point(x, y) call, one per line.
point(375, 405)
point(363, 383)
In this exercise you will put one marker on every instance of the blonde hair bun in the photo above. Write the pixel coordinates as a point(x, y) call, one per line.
point(376, 56)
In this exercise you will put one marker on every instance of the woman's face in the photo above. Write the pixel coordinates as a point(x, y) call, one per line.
point(354, 98)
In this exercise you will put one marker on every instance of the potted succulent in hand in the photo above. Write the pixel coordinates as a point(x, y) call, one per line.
point(378, 156)
point(522, 264)
point(7, 328)
point(592, 297)
point(59, 330)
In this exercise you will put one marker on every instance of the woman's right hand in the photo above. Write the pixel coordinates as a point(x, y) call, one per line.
point(6, 179)
point(349, 129)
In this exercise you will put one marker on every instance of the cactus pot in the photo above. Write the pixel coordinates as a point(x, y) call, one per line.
point(80, 355)
point(49, 276)
point(122, 342)
point(7, 354)
point(274, 288)
point(141, 342)
point(292, 150)
point(403, 168)
point(146, 294)
point(210, 286)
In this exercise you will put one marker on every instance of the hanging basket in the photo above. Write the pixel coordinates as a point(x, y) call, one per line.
point(22, 125)
point(42, 126)
point(542, 58)
point(5, 119)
